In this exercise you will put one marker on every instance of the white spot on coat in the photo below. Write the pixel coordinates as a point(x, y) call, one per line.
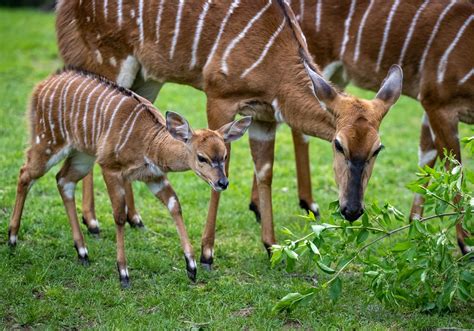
point(82, 251)
point(68, 188)
point(172, 203)
point(113, 61)
point(259, 132)
point(426, 157)
point(98, 56)
point(128, 71)
point(263, 171)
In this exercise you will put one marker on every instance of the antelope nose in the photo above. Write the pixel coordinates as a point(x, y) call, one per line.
point(352, 214)
point(223, 183)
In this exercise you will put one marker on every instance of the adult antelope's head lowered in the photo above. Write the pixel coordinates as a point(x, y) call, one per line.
point(206, 148)
point(356, 142)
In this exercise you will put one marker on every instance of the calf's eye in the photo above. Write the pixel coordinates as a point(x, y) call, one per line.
point(202, 159)
point(338, 146)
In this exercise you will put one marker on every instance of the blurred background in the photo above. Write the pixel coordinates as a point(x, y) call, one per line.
point(40, 4)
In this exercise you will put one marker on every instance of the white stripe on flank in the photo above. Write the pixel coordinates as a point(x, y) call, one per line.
point(177, 26)
point(119, 13)
point(93, 9)
point(197, 34)
point(78, 112)
point(112, 118)
point(106, 9)
point(86, 110)
point(265, 50)
point(140, 22)
point(232, 7)
point(301, 10)
point(103, 114)
point(443, 63)
point(410, 31)
point(126, 125)
point(158, 20)
point(50, 110)
point(65, 106)
point(347, 25)
point(42, 99)
point(361, 30)
point(318, 15)
point(61, 104)
point(466, 77)
point(73, 104)
point(240, 36)
point(433, 34)
point(386, 32)
point(99, 102)
point(129, 132)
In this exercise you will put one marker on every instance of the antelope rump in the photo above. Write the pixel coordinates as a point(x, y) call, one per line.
point(250, 58)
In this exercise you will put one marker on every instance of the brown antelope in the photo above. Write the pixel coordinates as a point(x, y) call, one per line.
point(432, 40)
point(85, 119)
point(249, 57)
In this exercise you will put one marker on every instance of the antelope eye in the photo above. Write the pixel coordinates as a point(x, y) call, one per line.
point(338, 146)
point(202, 159)
point(378, 150)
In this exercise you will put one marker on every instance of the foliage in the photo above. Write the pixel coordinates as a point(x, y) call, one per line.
point(419, 270)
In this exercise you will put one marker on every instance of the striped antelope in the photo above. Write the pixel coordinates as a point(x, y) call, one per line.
point(432, 40)
point(249, 57)
point(85, 119)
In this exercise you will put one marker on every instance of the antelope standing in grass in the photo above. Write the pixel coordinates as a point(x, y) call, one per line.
point(432, 40)
point(250, 58)
point(85, 119)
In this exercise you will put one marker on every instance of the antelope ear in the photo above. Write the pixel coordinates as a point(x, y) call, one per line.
point(391, 87)
point(323, 90)
point(178, 127)
point(236, 129)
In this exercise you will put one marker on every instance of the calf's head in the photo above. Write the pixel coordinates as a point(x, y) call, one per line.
point(206, 149)
point(356, 142)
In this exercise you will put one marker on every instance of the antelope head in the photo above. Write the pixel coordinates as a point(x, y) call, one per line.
point(206, 149)
point(356, 142)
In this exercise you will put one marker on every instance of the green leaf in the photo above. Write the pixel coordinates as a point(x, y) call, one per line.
point(325, 268)
point(291, 254)
point(362, 236)
point(335, 289)
point(401, 246)
point(317, 229)
point(313, 247)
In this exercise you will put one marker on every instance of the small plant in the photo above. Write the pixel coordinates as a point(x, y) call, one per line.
point(421, 269)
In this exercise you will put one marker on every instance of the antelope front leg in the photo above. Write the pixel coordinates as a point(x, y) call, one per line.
point(303, 173)
point(427, 154)
point(218, 114)
point(165, 193)
point(254, 202)
point(262, 145)
point(445, 133)
point(88, 207)
point(116, 189)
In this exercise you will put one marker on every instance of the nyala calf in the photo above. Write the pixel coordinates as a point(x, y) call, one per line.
point(84, 119)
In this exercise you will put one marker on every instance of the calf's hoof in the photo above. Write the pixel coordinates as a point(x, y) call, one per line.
point(253, 207)
point(135, 222)
point(84, 260)
point(123, 277)
point(191, 269)
point(206, 262)
point(268, 248)
point(313, 207)
point(92, 228)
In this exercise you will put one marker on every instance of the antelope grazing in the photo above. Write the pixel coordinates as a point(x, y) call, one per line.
point(431, 39)
point(85, 119)
point(250, 58)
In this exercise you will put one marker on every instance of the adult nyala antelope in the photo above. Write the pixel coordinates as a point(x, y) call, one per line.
point(432, 40)
point(85, 119)
point(250, 58)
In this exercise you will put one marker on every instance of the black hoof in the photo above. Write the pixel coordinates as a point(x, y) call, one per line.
point(304, 205)
point(191, 268)
point(84, 260)
point(94, 231)
point(206, 262)
point(135, 224)
point(124, 282)
point(253, 207)
point(269, 249)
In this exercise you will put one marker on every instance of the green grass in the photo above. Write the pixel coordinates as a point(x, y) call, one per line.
point(41, 283)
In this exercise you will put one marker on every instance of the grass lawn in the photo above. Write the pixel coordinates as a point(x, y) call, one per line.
point(42, 285)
